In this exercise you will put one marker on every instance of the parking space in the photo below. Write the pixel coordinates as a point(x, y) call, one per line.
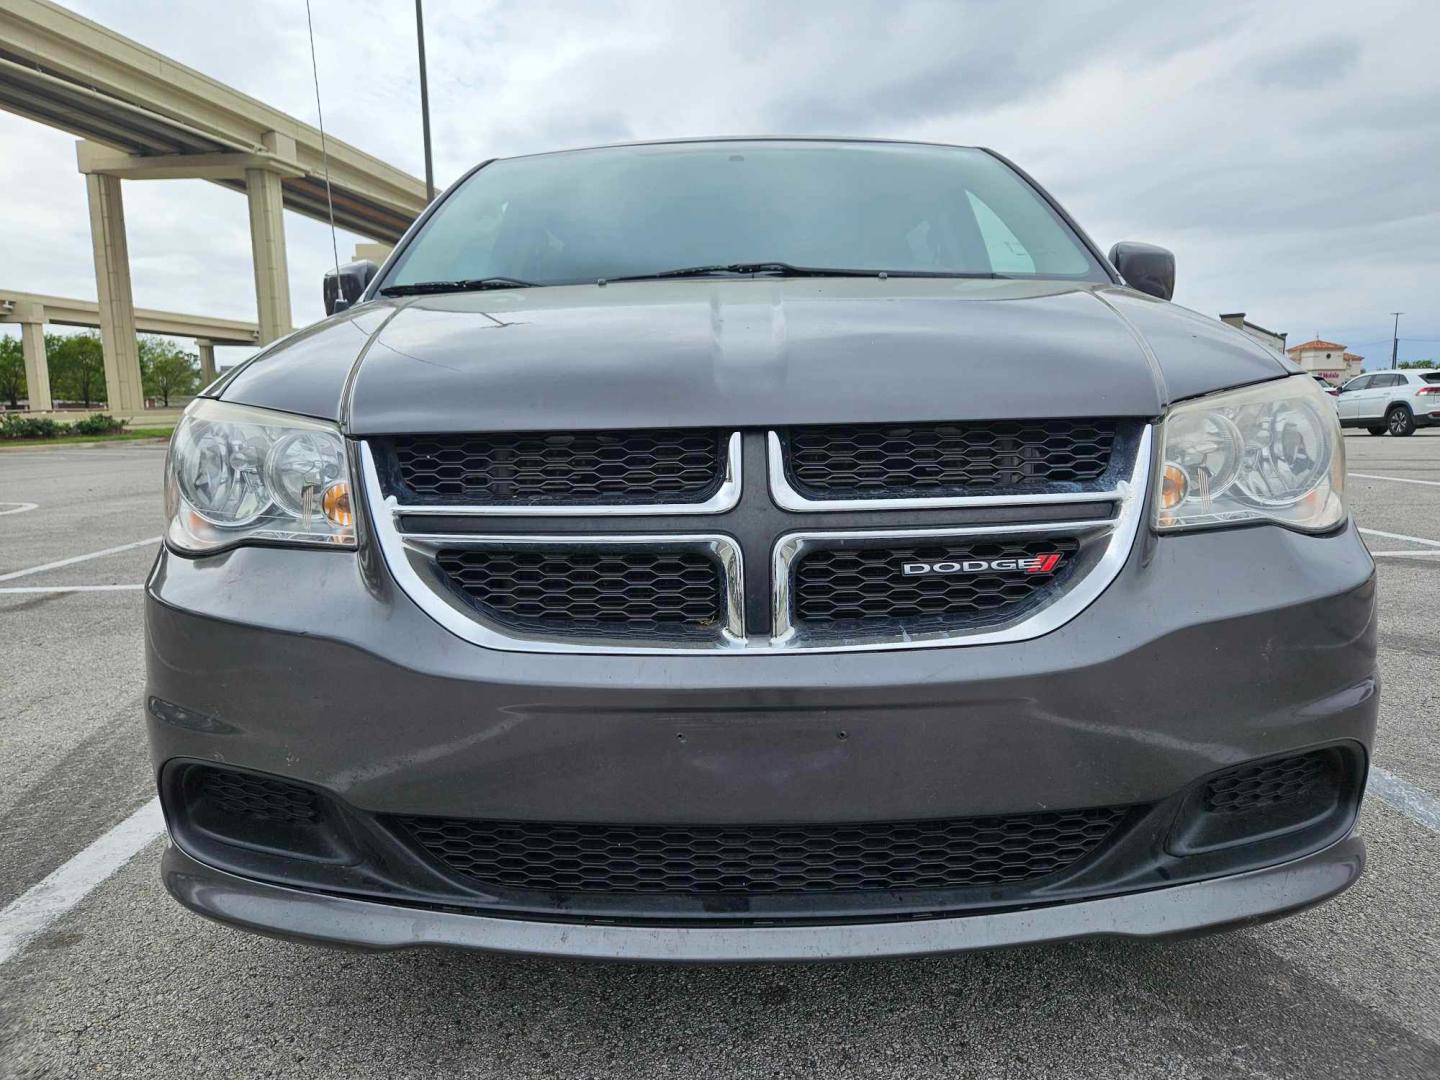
point(118, 980)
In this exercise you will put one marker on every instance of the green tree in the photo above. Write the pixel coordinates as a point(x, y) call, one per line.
point(12, 371)
point(167, 370)
point(77, 367)
point(1417, 363)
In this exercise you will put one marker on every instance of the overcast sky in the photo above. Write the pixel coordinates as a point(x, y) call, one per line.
point(1288, 153)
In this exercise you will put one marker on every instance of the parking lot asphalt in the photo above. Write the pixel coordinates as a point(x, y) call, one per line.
point(126, 983)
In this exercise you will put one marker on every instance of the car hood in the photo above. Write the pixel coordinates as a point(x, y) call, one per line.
point(750, 352)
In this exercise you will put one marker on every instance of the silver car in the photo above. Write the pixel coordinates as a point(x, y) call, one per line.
point(1393, 401)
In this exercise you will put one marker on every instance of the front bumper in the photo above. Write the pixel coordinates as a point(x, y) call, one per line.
point(1208, 650)
point(1201, 907)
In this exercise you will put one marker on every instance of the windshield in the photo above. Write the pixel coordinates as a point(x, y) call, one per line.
point(625, 211)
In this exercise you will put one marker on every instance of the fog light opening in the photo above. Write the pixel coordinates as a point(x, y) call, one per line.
point(1262, 800)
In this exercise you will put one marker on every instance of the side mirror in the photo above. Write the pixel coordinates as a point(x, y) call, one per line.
point(1145, 267)
point(344, 290)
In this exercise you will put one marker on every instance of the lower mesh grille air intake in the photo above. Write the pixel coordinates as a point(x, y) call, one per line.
point(257, 797)
point(1252, 787)
point(537, 468)
point(746, 859)
point(637, 593)
point(913, 587)
point(952, 459)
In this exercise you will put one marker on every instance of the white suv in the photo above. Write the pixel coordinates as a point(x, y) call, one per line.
point(1393, 401)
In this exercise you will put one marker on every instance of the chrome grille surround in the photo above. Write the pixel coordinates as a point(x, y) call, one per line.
point(828, 462)
point(844, 585)
point(411, 559)
point(673, 591)
point(787, 497)
point(533, 468)
point(1107, 541)
point(724, 498)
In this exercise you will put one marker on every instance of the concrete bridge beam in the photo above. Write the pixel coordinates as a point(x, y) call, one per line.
point(262, 175)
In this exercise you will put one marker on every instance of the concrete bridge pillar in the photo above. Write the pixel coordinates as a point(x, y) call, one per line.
point(31, 318)
point(267, 242)
point(124, 393)
point(206, 348)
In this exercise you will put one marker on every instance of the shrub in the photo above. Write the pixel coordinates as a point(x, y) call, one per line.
point(20, 426)
point(99, 424)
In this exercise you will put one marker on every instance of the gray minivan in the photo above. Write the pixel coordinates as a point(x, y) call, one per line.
point(758, 549)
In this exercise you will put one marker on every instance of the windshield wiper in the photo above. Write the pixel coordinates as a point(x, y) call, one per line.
point(783, 269)
point(777, 269)
point(418, 288)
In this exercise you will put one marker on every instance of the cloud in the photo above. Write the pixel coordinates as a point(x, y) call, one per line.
point(1312, 63)
point(1287, 152)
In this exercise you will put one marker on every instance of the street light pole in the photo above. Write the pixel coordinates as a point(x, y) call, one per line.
point(1394, 338)
point(424, 102)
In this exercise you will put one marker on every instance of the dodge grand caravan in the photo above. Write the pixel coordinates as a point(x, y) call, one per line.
point(751, 550)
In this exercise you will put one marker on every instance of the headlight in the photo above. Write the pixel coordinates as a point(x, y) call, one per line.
point(237, 474)
point(1266, 453)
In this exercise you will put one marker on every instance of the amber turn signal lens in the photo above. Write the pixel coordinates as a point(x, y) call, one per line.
point(1173, 487)
point(336, 504)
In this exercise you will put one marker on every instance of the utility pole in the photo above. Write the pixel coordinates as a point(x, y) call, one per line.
point(424, 103)
point(1394, 338)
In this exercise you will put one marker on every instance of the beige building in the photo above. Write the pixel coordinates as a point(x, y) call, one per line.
point(1269, 338)
point(1328, 359)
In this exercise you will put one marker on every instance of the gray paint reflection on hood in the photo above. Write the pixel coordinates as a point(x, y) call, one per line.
point(750, 352)
point(754, 352)
point(306, 372)
point(1196, 354)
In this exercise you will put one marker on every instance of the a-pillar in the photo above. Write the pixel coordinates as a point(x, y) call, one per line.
point(31, 318)
point(207, 360)
point(124, 393)
point(267, 242)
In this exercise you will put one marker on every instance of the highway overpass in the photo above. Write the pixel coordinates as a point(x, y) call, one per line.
point(33, 311)
point(142, 116)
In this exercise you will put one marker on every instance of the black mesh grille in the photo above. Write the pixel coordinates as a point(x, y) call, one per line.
point(636, 592)
point(1254, 786)
point(919, 460)
point(558, 467)
point(258, 798)
point(748, 859)
point(958, 589)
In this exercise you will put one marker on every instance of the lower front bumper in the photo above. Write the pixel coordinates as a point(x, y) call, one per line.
point(1215, 904)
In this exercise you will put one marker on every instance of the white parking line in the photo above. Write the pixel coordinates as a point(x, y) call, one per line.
point(40, 905)
point(1414, 802)
point(17, 507)
point(1374, 532)
point(1404, 554)
point(77, 559)
point(1397, 479)
point(71, 588)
